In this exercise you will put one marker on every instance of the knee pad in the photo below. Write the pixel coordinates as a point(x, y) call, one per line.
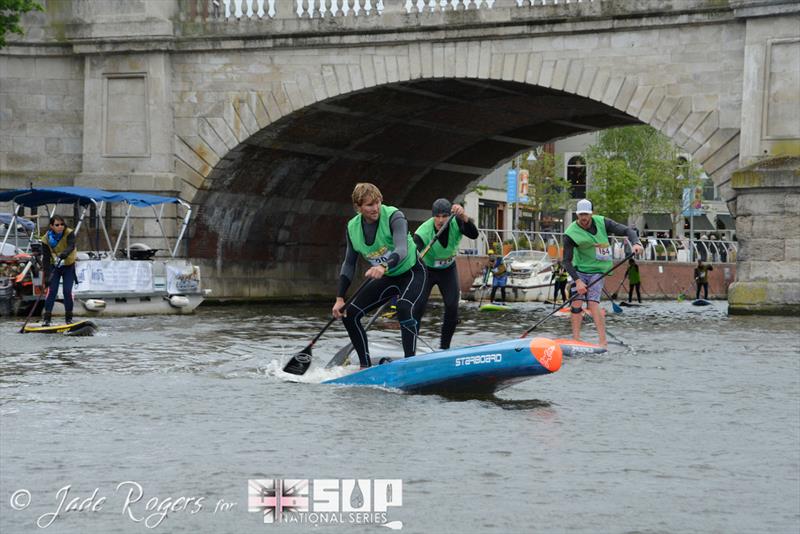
point(409, 323)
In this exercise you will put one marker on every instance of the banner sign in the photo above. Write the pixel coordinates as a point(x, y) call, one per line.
point(511, 186)
point(94, 276)
point(692, 201)
point(523, 186)
point(182, 278)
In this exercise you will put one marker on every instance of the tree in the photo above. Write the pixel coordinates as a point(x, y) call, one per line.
point(548, 191)
point(10, 13)
point(637, 168)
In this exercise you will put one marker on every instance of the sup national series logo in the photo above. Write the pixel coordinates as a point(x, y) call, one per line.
point(326, 501)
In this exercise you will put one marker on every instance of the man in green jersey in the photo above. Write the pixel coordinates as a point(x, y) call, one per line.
point(379, 234)
point(587, 258)
point(441, 259)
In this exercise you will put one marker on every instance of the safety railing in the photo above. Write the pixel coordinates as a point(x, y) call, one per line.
point(682, 250)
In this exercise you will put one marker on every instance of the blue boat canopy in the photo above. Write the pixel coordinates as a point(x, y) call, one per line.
point(40, 196)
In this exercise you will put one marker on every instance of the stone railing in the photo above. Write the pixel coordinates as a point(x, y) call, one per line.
point(201, 10)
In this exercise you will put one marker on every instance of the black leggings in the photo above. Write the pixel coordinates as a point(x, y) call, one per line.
point(408, 288)
point(638, 291)
point(561, 286)
point(703, 285)
point(447, 281)
point(502, 292)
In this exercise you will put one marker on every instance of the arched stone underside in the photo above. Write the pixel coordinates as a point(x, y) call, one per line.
point(274, 169)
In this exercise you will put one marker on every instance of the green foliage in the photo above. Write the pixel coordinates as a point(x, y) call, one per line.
point(10, 13)
point(548, 190)
point(637, 168)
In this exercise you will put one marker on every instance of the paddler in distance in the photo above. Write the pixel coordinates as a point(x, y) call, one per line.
point(379, 233)
point(587, 258)
point(441, 259)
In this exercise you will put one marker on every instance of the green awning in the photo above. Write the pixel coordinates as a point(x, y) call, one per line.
point(701, 224)
point(660, 222)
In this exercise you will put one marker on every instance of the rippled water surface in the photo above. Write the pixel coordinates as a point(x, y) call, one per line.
point(694, 427)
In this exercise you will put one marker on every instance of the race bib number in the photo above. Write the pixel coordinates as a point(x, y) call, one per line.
point(443, 263)
point(602, 252)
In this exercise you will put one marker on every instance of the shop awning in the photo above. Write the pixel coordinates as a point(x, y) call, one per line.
point(701, 224)
point(657, 221)
point(725, 222)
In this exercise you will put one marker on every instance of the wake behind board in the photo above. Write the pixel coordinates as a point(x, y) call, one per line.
point(494, 307)
point(481, 369)
point(701, 302)
point(79, 328)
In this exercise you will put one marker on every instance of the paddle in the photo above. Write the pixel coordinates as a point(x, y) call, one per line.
point(341, 355)
point(301, 361)
point(614, 305)
point(573, 297)
point(39, 297)
point(482, 289)
point(616, 291)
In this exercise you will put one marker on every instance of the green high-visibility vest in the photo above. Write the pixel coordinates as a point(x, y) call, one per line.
point(439, 257)
point(378, 252)
point(592, 253)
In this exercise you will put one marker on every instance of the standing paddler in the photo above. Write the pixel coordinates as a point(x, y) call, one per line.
point(587, 258)
point(441, 259)
point(379, 233)
point(58, 258)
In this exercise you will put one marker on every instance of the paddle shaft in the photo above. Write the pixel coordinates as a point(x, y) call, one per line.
point(38, 298)
point(572, 298)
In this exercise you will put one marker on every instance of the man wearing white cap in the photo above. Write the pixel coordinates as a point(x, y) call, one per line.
point(587, 258)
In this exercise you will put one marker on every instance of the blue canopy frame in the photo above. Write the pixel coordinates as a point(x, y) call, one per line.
point(85, 196)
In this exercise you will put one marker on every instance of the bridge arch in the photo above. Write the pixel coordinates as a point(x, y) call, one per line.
point(266, 162)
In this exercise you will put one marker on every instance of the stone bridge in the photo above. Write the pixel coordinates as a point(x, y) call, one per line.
point(265, 113)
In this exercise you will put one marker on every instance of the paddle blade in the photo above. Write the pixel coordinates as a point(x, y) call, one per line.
point(616, 307)
point(299, 363)
point(340, 357)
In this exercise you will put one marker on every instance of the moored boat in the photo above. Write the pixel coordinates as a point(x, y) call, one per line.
point(131, 280)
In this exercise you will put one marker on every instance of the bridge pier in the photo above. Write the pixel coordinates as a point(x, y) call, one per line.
point(768, 228)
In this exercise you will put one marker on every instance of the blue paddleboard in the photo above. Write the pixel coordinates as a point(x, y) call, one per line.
point(470, 370)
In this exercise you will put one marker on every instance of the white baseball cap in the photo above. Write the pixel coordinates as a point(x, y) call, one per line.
point(584, 206)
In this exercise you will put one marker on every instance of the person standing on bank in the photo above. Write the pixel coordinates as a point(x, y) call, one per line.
point(587, 258)
point(701, 278)
point(499, 275)
point(441, 260)
point(561, 276)
point(58, 258)
point(634, 280)
point(379, 233)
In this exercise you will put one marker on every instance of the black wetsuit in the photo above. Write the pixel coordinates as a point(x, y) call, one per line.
point(407, 287)
point(447, 281)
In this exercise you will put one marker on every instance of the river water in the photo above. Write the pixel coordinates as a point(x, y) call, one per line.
point(694, 427)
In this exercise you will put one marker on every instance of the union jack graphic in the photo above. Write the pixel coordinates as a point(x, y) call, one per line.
point(274, 497)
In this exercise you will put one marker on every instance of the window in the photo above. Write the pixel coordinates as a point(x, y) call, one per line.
point(487, 214)
point(576, 174)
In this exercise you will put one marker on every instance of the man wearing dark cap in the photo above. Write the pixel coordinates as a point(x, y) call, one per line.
point(587, 258)
point(441, 260)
